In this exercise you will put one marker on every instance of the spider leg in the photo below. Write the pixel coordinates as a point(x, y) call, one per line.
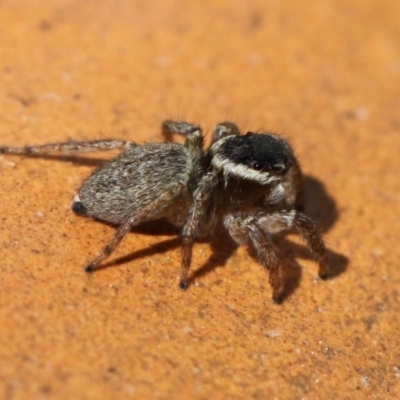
point(68, 147)
point(285, 220)
point(244, 226)
point(192, 133)
point(224, 129)
point(267, 255)
point(194, 139)
point(259, 225)
point(312, 237)
point(200, 221)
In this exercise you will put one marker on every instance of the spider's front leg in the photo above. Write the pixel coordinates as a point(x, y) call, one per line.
point(285, 220)
point(266, 254)
point(200, 220)
point(244, 227)
point(281, 221)
point(258, 226)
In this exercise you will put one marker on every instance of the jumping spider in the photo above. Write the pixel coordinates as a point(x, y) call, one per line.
point(252, 183)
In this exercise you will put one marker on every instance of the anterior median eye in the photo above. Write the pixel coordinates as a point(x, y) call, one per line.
point(256, 165)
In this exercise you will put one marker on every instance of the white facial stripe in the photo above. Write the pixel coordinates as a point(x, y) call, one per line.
point(231, 169)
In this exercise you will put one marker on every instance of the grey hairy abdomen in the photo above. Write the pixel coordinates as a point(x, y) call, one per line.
point(136, 179)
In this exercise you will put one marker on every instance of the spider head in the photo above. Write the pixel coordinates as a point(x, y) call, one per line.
point(258, 157)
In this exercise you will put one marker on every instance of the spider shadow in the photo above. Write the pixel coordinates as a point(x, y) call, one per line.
point(152, 228)
point(221, 243)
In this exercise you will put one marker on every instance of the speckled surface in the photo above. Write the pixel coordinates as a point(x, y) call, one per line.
point(324, 74)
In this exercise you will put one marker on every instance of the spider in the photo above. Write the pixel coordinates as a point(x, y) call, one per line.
point(251, 182)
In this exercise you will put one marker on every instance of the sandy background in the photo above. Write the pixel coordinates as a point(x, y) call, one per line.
point(326, 75)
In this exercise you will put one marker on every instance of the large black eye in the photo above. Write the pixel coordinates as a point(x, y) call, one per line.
point(256, 165)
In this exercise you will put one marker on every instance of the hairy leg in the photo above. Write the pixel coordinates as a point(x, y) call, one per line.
point(224, 129)
point(284, 220)
point(111, 245)
point(200, 219)
point(68, 147)
point(259, 225)
point(192, 133)
point(314, 240)
point(244, 226)
point(194, 139)
point(266, 254)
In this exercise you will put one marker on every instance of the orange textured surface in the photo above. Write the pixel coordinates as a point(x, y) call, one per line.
point(324, 74)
